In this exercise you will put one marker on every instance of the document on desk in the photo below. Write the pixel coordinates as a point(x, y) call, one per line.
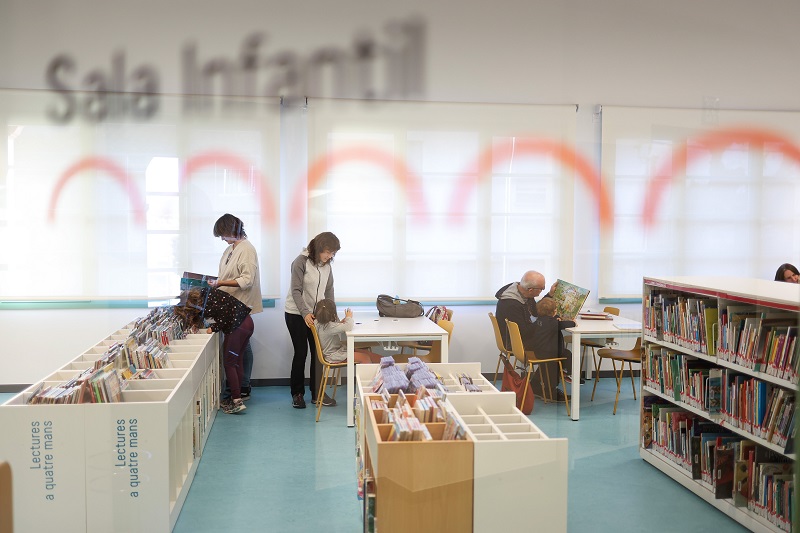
point(628, 327)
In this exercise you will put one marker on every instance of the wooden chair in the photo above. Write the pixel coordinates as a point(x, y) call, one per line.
point(634, 355)
point(415, 346)
point(596, 344)
point(498, 339)
point(328, 369)
point(435, 353)
point(6, 499)
point(530, 359)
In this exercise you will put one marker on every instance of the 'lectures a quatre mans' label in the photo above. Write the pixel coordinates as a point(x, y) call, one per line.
point(43, 455)
point(127, 451)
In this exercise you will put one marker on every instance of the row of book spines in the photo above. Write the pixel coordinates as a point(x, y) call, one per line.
point(684, 377)
point(778, 429)
point(747, 404)
point(773, 498)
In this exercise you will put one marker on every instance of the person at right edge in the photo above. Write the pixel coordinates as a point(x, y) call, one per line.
point(311, 281)
point(517, 302)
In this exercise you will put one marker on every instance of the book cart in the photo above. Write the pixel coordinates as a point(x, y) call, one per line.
point(125, 466)
point(722, 352)
point(462, 485)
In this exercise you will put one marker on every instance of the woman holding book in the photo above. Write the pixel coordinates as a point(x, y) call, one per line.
point(311, 281)
point(788, 273)
point(240, 277)
point(231, 317)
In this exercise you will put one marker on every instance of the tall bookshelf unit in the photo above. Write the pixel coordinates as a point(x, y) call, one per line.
point(696, 341)
point(463, 485)
point(124, 466)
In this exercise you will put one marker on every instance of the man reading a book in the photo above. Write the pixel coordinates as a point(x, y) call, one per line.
point(517, 303)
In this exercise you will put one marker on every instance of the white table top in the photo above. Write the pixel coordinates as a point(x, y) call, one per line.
point(615, 326)
point(395, 327)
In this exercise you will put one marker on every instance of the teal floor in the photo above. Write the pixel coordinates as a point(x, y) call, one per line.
point(273, 469)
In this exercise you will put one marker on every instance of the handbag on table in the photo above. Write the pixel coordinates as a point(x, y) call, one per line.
point(398, 307)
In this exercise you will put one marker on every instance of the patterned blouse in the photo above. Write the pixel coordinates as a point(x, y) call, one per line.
point(228, 312)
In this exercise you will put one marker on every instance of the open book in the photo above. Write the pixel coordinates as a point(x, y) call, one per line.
point(569, 299)
point(192, 279)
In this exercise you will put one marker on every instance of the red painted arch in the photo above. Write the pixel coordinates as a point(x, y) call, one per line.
point(411, 183)
point(114, 170)
point(713, 140)
point(503, 151)
point(213, 158)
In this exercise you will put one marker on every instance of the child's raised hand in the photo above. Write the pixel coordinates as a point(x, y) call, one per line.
point(348, 312)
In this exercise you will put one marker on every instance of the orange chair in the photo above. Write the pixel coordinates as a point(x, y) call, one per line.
point(531, 361)
point(632, 356)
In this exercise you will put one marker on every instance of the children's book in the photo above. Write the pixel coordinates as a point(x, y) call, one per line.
point(569, 299)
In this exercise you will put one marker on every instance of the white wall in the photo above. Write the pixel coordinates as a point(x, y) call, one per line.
point(734, 54)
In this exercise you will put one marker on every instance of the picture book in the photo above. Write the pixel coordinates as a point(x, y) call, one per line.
point(569, 299)
point(193, 279)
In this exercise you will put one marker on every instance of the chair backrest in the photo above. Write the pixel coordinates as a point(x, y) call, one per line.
point(517, 348)
point(498, 337)
point(435, 354)
point(317, 345)
point(611, 310)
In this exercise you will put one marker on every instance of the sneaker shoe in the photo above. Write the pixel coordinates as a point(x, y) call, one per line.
point(568, 379)
point(560, 397)
point(226, 403)
point(245, 395)
point(298, 402)
point(327, 401)
point(235, 407)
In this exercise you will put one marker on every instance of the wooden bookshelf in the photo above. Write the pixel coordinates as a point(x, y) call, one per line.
point(420, 486)
point(703, 357)
point(124, 466)
point(504, 457)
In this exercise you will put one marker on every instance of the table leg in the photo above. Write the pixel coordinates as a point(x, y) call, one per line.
point(444, 351)
point(351, 377)
point(576, 377)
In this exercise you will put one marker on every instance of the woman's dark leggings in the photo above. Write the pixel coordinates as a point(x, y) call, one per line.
point(232, 356)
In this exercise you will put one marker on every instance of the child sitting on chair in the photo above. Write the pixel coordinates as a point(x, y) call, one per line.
point(548, 341)
point(329, 327)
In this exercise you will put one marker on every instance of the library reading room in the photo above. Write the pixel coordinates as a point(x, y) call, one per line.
point(435, 267)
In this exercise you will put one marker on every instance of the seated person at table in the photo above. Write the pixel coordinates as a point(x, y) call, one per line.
point(788, 273)
point(516, 302)
point(329, 328)
point(548, 341)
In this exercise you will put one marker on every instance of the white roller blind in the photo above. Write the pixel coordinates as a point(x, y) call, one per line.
point(118, 209)
point(727, 203)
point(435, 200)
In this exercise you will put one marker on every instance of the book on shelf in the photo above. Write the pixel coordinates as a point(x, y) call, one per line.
point(723, 470)
point(569, 299)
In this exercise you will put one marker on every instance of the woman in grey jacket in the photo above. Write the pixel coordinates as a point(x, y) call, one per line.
point(311, 281)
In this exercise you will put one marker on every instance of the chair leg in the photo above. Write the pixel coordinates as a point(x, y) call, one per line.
point(564, 386)
point(336, 375)
point(596, 377)
point(541, 382)
point(546, 369)
point(633, 385)
point(497, 370)
point(618, 378)
point(527, 382)
point(323, 383)
point(596, 361)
